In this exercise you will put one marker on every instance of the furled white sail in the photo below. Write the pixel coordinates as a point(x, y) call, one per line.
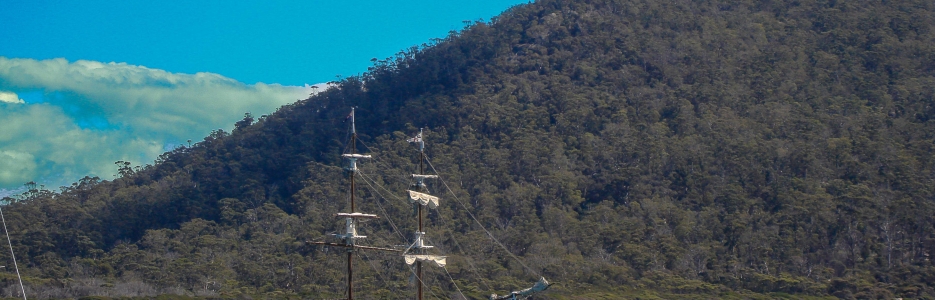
point(421, 177)
point(357, 215)
point(439, 261)
point(423, 199)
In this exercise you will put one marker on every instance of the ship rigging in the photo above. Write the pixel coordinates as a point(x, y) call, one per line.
point(417, 252)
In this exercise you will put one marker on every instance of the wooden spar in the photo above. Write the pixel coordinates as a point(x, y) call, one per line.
point(421, 171)
point(420, 247)
point(350, 232)
point(354, 246)
point(350, 274)
point(421, 251)
point(349, 241)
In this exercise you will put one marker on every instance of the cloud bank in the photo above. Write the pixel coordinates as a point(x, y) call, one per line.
point(9, 97)
point(86, 115)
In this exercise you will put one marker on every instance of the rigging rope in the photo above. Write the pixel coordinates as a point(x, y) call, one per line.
point(368, 181)
point(385, 165)
point(453, 282)
point(449, 274)
point(381, 208)
point(379, 276)
point(347, 136)
point(461, 249)
point(466, 209)
point(385, 190)
point(11, 253)
point(395, 229)
point(411, 270)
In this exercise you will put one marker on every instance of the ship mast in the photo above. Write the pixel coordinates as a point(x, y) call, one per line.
point(421, 198)
point(351, 219)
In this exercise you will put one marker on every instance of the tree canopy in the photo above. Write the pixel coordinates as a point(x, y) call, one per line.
point(741, 149)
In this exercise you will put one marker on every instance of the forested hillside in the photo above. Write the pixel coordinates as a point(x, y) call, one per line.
point(709, 149)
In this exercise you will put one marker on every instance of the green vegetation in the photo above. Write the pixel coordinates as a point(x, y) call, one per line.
point(637, 148)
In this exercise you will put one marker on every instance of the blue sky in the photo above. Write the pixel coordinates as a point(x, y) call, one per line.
point(86, 83)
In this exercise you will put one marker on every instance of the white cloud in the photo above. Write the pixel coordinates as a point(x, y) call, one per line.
point(39, 142)
point(150, 99)
point(16, 165)
point(10, 97)
point(142, 110)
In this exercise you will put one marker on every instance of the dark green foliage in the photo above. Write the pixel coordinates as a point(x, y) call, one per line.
point(730, 149)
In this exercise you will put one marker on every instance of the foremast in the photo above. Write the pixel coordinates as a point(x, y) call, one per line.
point(421, 197)
point(350, 236)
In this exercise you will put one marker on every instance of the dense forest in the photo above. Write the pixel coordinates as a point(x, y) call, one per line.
point(619, 148)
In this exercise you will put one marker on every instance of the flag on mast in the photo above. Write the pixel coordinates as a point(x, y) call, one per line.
point(417, 139)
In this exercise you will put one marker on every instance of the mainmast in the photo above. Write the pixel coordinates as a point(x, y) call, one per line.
point(422, 199)
point(350, 235)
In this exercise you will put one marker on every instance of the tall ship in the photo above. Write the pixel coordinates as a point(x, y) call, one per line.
point(418, 253)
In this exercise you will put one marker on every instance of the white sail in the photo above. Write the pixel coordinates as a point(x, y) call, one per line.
point(357, 215)
point(423, 199)
point(439, 261)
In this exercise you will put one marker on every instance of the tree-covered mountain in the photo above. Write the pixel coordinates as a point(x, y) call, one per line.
point(675, 149)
